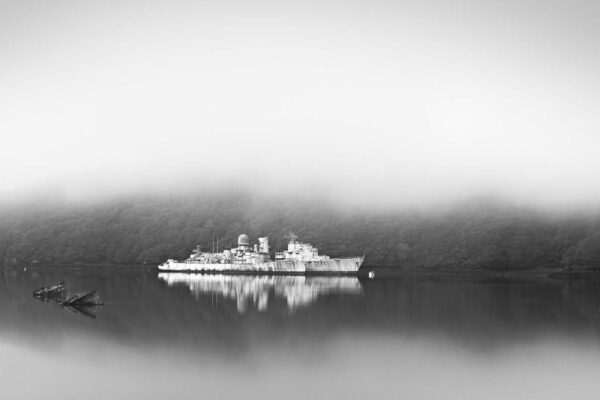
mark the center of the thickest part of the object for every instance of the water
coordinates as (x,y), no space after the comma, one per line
(206,336)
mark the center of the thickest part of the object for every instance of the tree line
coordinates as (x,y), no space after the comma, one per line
(150,229)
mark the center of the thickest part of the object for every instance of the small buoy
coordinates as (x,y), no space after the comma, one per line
(371,274)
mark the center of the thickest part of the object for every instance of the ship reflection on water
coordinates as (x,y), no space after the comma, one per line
(255,290)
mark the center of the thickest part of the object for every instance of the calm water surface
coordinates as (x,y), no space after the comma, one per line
(209,336)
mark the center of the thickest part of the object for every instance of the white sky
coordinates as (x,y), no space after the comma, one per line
(372,102)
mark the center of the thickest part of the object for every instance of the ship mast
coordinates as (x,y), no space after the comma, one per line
(292,237)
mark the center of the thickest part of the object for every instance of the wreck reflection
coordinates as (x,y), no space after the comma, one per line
(85,311)
(256,290)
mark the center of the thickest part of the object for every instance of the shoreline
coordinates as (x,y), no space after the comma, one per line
(380,272)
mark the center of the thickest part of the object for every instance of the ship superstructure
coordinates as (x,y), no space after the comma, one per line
(298,251)
(299,258)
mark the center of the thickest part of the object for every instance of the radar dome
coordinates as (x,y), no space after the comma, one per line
(243,240)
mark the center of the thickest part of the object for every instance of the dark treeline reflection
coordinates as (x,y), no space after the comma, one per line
(473,235)
(142,309)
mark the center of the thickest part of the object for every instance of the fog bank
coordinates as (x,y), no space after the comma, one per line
(372,104)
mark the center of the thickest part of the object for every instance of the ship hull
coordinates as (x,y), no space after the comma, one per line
(346,266)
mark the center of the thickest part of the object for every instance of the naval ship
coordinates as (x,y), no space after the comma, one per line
(299,258)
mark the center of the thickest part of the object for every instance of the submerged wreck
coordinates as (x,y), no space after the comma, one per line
(84,299)
(81,303)
(50,291)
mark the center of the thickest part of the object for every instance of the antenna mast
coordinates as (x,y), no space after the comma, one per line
(292,237)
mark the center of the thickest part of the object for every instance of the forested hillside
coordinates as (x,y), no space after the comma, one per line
(148,230)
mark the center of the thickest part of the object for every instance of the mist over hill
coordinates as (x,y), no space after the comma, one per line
(149,229)
(377,105)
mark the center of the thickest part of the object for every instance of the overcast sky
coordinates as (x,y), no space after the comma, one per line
(369,101)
